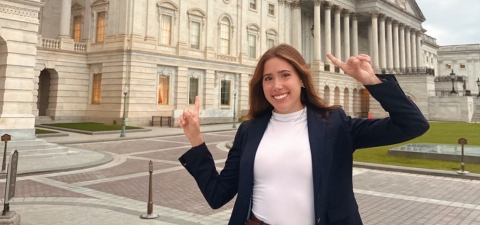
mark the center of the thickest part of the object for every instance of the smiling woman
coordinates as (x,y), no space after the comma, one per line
(291,161)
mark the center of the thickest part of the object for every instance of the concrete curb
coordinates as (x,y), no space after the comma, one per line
(60,134)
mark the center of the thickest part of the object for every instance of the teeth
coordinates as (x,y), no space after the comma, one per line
(280,96)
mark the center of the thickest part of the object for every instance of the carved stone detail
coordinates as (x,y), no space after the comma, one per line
(18,11)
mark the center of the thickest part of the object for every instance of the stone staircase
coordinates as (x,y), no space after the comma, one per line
(43,120)
(476,113)
(35,148)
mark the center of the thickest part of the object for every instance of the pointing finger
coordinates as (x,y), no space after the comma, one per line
(335,60)
(197,104)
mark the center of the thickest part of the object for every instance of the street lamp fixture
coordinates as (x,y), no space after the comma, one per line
(478,84)
(453,77)
(312,30)
(125,92)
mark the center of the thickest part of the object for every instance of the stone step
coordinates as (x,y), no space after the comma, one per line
(25,144)
(44,120)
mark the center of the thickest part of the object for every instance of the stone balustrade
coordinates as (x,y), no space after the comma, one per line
(80,47)
(226,58)
(50,43)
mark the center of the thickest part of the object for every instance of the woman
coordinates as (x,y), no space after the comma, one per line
(291,162)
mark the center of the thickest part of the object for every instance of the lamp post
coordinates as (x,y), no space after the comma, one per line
(478,84)
(234,109)
(125,92)
(453,77)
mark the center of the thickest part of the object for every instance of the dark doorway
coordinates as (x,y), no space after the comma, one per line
(364,103)
(43,92)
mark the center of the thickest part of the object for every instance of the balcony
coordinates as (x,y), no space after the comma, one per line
(61,44)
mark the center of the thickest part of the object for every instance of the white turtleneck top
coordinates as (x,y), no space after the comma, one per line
(283,180)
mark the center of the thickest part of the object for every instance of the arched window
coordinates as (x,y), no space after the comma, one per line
(225,36)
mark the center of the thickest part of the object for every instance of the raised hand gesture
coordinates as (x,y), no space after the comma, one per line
(357,67)
(190,123)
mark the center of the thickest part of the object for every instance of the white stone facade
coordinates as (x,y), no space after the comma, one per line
(167,51)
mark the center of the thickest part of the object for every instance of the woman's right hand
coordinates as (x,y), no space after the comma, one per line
(190,122)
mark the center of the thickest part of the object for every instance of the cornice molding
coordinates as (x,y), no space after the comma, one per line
(29,13)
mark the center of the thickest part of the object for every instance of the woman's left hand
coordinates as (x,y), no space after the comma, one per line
(357,67)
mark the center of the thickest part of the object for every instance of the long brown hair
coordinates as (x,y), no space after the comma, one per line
(259,104)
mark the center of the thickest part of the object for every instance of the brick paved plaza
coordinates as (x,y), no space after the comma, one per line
(116,192)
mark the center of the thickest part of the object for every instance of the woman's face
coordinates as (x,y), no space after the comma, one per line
(282,86)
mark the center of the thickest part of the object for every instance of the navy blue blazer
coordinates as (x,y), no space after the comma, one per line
(332,143)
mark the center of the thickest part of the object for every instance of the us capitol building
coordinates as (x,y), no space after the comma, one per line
(83,60)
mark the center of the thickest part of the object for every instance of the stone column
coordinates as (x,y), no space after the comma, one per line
(65,15)
(413,42)
(354,34)
(374,41)
(317,64)
(420,56)
(383,55)
(408,48)
(297,27)
(181,98)
(346,34)
(403,64)
(281,22)
(209,90)
(288,15)
(328,32)
(396,49)
(389,46)
(338,40)
(317,55)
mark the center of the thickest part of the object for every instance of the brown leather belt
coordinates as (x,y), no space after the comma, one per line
(255,221)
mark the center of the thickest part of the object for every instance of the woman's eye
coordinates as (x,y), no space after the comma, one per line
(267,78)
(286,75)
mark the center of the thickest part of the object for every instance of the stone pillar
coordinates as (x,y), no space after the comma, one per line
(281,22)
(65,15)
(209,90)
(403,64)
(297,27)
(288,16)
(338,40)
(408,48)
(414,48)
(354,34)
(374,41)
(181,98)
(317,46)
(328,33)
(383,55)
(396,49)
(389,46)
(420,56)
(346,35)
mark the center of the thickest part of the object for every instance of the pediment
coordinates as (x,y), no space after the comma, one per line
(77,6)
(411,7)
(100,2)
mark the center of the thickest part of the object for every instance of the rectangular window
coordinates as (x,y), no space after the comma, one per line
(225,92)
(77,28)
(224,37)
(100,27)
(252,46)
(96,88)
(449,66)
(270,43)
(163,89)
(166,30)
(271,9)
(462,66)
(193,90)
(194,35)
(253,4)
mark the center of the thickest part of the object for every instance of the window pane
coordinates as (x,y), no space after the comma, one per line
(225,36)
(253,4)
(194,35)
(252,46)
(193,90)
(166,30)
(225,92)
(271,9)
(100,27)
(77,28)
(96,88)
(270,43)
(163,89)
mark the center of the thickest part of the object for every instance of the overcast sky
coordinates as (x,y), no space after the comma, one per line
(452,22)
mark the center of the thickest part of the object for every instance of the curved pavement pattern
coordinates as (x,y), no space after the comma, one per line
(116,192)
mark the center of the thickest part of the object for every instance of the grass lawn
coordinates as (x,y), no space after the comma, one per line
(41,131)
(88,126)
(440,132)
